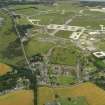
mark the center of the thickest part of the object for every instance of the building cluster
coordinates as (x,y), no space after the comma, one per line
(92,2)
(26,1)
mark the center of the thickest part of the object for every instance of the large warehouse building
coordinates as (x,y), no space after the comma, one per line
(93,2)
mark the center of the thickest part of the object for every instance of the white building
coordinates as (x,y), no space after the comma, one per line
(100,54)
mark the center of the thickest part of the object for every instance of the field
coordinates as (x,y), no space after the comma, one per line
(10,51)
(93,94)
(54,17)
(101,45)
(58,14)
(66,80)
(64,34)
(94,22)
(4,69)
(66,56)
(34,47)
(73,101)
(20,97)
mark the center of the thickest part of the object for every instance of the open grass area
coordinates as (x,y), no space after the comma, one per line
(34,47)
(66,80)
(73,101)
(66,56)
(32,9)
(21,97)
(86,21)
(54,18)
(64,34)
(10,49)
(6,33)
(101,45)
(4,69)
(93,94)
(90,18)
(7,37)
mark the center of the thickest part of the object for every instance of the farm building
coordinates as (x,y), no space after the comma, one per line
(92,2)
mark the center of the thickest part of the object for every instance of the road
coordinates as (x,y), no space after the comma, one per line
(66,23)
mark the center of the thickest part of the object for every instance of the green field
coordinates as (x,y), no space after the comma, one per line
(7,40)
(63,34)
(73,101)
(88,18)
(34,47)
(66,80)
(66,56)
(54,18)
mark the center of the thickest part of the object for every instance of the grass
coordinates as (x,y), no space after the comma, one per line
(88,18)
(73,101)
(4,69)
(99,63)
(101,45)
(34,47)
(93,94)
(63,34)
(89,91)
(54,18)
(7,36)
(20,97)
(66,80)
(87,21)
(64,56)
(28,10)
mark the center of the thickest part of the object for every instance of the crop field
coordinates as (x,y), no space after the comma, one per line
(93,94)
(4,69)
(20,97)
(89,91)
